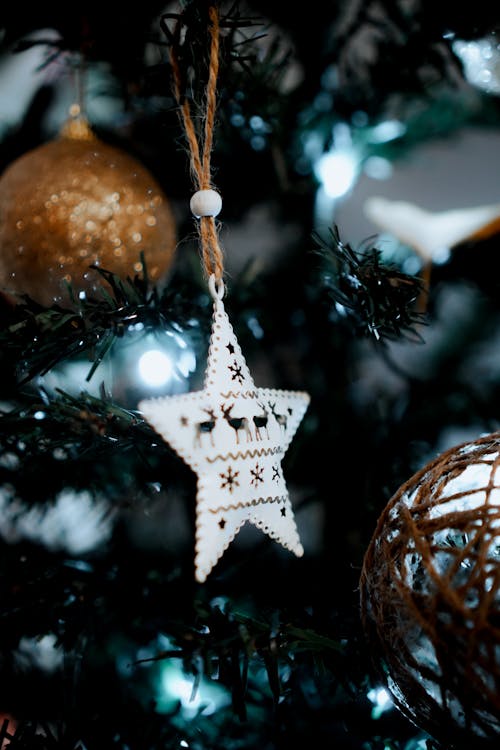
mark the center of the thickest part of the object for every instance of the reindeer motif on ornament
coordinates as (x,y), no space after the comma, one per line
(241,424)
(237,423)
(205,428)
(282,419)
(260,422)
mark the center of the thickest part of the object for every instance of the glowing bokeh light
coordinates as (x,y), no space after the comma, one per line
(155,368)
(381,699)
(196,696)
(481,61)
(337,172)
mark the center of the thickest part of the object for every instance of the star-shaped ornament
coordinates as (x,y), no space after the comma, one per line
(234,436)
(432,233)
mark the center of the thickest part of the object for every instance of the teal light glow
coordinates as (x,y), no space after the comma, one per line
(382,701)
(155,368)
(337,172)
(195,695)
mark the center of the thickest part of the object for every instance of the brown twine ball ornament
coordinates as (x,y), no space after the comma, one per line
(430,595)
(77,201)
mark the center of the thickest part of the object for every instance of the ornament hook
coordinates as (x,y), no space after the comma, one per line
(217,288)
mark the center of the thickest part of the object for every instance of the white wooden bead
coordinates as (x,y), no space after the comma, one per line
(205,203)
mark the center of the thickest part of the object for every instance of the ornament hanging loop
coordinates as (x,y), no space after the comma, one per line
(217,288)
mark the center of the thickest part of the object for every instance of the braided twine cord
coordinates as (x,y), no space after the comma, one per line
(200,153)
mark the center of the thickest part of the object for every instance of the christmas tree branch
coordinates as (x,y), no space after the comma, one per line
(35,338)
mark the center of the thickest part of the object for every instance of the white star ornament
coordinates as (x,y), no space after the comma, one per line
(234,436)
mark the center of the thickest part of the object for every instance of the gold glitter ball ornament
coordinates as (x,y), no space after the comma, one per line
(74,202)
